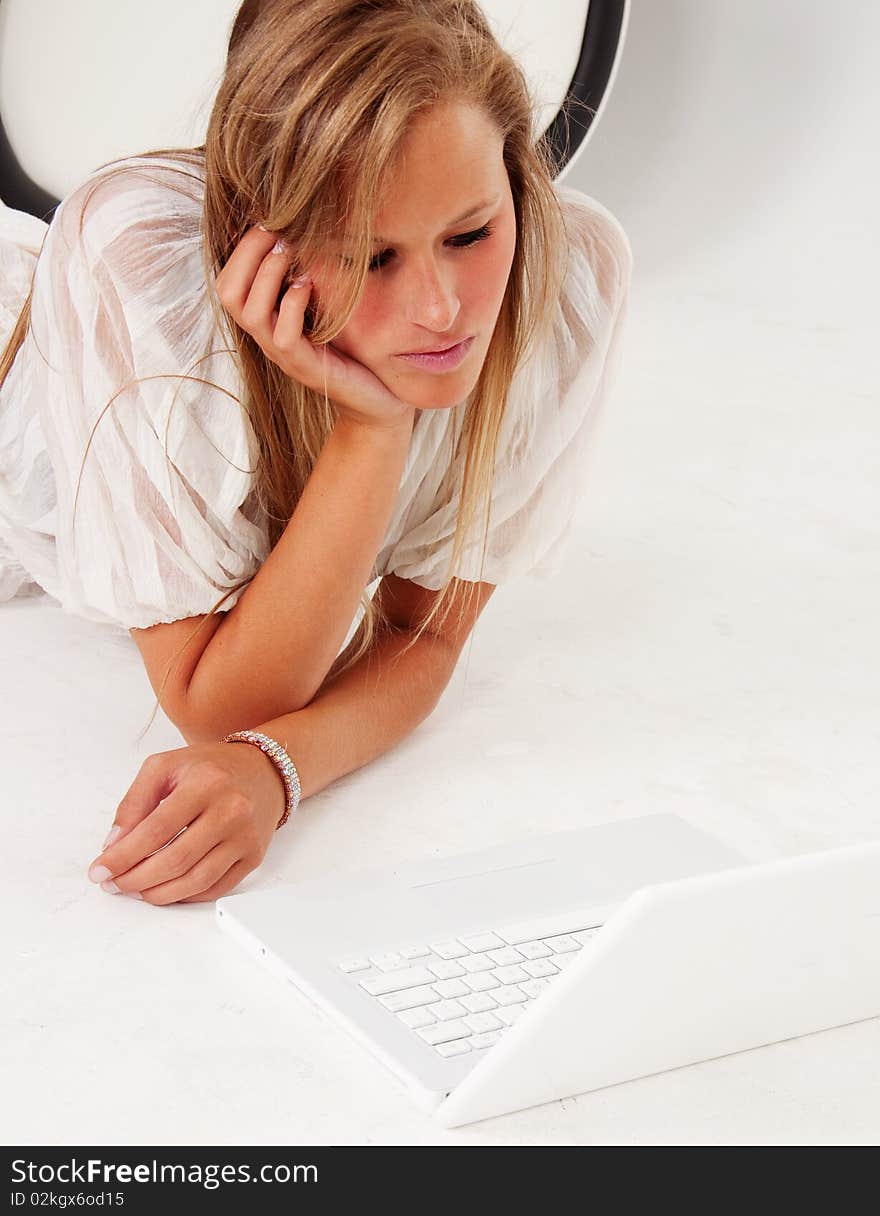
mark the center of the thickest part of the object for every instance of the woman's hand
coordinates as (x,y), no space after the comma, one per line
(227,796)
(248,287)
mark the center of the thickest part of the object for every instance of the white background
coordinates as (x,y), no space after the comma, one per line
(712,649)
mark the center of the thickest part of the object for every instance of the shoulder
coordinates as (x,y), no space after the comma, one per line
(598,243)
(146,197)
(127,244)
(598,272)
(594,289)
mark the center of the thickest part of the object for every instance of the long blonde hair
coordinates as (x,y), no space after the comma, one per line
(315,101)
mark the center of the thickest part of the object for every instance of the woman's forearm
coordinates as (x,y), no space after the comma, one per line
(275,646)
(364,712)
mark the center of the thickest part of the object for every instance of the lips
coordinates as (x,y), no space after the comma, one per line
(441,361)
(434,350)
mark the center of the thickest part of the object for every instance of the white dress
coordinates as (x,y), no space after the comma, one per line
(159,537)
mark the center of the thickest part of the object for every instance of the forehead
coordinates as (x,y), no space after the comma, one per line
(482,207)
(449,169)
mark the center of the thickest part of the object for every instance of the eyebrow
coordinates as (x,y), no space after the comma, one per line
(471,211)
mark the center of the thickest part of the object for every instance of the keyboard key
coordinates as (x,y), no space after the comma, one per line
(562,960)
(415,951)
(485,1040)
(504,956)
(387,962)
(508,996)
(444,1032)
(563,944)
(451,988)
(449,949)
(354,964)
(444,1010)
(537,949)
(417,1017)
(533,987)
(540,967)
(510,1014)
(510,975)
(410,998)
(478,1002)
(444,970)
(484,981)
(582,935)
(481,941)
(481,1022)
(394,981)
(456,1048)
(478,962)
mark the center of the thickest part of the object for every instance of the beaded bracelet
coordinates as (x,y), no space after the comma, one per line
(282,762)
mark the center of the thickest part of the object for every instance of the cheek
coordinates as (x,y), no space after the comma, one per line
(481,289)
(500,254)
(361,337)
(487,278)
(489,271)
(358,335)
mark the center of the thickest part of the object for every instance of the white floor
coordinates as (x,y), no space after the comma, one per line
(712,651)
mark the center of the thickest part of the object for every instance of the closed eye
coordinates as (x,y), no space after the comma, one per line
(463,241)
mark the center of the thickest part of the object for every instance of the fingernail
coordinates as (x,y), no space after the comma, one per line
(98,873)
(300,280)
(111,836)
(135,895)
(110,886)
(279,247)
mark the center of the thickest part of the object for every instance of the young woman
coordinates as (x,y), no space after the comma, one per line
(221,378)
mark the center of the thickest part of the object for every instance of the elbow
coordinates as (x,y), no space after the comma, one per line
(193,735)
(210,725)
(190,726)
(195,730)
(193,724)
(225,694)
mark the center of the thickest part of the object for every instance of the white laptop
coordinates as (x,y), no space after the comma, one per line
(557,964)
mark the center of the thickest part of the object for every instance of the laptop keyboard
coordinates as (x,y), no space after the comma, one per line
(460,994)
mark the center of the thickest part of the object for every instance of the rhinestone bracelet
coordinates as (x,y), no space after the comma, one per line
(282,762)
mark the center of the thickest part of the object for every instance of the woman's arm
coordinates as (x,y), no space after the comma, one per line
(231,803)
(360,714)
(273,649)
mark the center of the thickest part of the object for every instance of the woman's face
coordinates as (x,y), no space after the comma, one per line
(435,279)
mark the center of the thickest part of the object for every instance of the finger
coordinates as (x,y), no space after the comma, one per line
(210,871)
(154,781)
(227,883)
(160,825)
(262,299)
(175,859)
(234,280)
(288,336)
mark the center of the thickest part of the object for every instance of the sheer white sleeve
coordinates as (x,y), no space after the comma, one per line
(163,522)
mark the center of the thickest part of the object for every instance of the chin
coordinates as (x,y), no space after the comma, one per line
(432,403)
(448,403)
(427,391)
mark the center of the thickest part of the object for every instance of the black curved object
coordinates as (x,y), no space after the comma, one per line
(17,189)
(564,135)
(589,83)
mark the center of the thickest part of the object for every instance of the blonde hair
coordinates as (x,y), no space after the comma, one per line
(315,101)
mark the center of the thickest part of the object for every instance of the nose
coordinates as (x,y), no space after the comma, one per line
(432,300)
